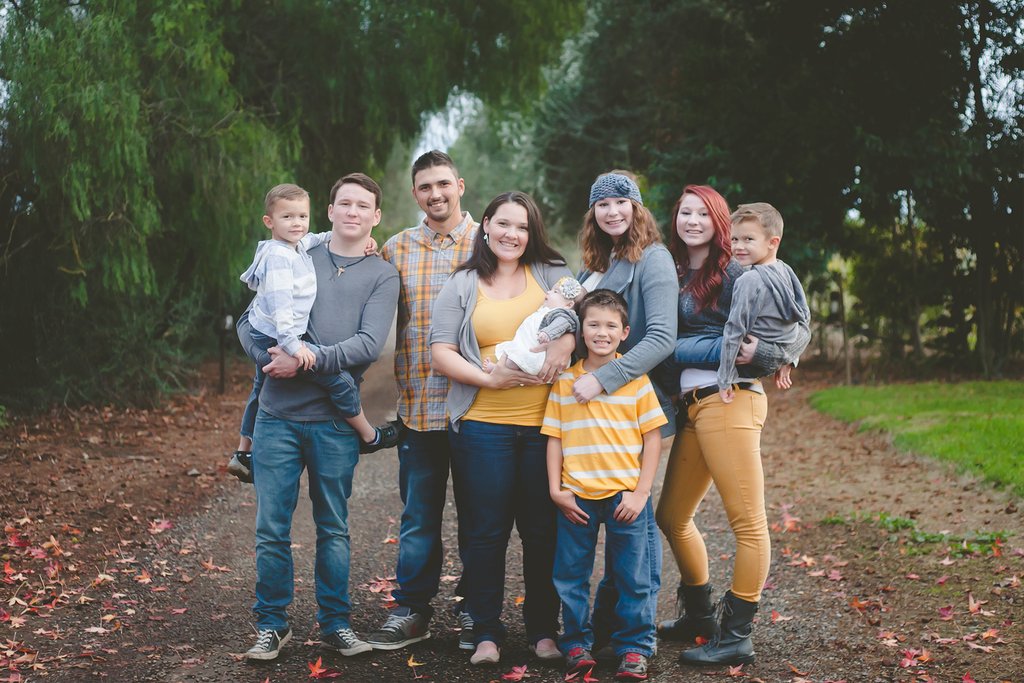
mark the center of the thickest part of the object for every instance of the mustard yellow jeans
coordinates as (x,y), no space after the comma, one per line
(720,443)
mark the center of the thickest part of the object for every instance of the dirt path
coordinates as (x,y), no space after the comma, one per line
(156,584)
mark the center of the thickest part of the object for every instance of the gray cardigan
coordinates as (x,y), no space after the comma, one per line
(453,324)
(651,289)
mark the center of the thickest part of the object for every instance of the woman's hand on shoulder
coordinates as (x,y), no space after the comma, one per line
(502,377)
(586,388)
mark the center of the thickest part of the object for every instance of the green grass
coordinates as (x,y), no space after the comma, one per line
(977,425)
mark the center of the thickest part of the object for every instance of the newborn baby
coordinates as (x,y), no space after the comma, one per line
(553,319)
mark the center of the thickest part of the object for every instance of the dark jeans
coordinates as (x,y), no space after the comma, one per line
(500,477)
(341,388)
(423,463)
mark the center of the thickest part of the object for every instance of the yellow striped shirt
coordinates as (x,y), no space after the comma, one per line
(602,439)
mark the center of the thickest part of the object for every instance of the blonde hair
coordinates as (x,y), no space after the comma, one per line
(283,191)
(598,248)
(766,215)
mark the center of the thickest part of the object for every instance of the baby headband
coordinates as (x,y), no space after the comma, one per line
(569,288)
(614,185)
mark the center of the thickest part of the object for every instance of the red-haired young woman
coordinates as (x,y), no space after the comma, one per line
(718,442)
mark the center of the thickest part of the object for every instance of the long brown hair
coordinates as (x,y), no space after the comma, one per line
(483,260)
(706,284)
(598,248)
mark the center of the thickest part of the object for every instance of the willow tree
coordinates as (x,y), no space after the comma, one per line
(138,139)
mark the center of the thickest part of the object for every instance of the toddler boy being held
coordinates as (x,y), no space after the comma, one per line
(602,457)
(768,300)
(283,278)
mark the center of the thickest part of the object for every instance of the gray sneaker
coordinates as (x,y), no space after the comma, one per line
(467,639)
(402,627)
(268,644)
(345,641)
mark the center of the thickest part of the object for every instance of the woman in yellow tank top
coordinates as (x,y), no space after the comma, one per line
(498,453)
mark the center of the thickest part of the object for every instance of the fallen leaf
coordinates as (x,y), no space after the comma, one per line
(520,600)
(975,606)
(946,613)
(158,526)
(776,617)
(735,672)
(412,661)
(984,648)
(516,674)
(317,670)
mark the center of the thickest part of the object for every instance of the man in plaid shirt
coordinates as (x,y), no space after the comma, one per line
(425,255)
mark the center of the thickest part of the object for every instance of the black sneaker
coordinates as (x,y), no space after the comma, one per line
(387,437)
(344,641)
(240,465)
(467,639)
(268,644)
(633,667)
(402,627)
(579,664)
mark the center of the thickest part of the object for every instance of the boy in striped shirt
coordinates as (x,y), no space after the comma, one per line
(602,458)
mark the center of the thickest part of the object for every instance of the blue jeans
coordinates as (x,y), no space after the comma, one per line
(500,477)
(423,463)
(341,387)
(605,617)
(699,352)
(628,559)
(282,449)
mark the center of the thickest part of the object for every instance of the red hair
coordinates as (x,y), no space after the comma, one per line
(706,284)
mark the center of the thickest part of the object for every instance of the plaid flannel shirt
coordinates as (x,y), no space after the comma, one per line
(424,260)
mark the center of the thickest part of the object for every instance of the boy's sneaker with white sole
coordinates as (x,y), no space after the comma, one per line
(344,641)
(268,644)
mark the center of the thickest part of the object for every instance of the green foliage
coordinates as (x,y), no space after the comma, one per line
(138,140)
(801,104)
(920,541)
(977,425)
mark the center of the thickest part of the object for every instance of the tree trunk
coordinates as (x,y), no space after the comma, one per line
(980,196)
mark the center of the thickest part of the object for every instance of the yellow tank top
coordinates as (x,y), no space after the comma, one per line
(496,321)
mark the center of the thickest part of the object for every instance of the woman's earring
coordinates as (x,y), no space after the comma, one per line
(487,238)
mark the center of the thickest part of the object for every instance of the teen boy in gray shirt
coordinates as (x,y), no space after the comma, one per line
(298,427)
(768,301)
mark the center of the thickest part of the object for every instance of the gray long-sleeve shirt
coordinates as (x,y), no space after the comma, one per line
(769,303)
(651,289)
(348,325)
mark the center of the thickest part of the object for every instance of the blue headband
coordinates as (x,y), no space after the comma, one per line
(614,185)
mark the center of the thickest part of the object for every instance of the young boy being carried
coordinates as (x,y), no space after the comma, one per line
(768,300)
(554,318)
(602,458)
(283,278)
